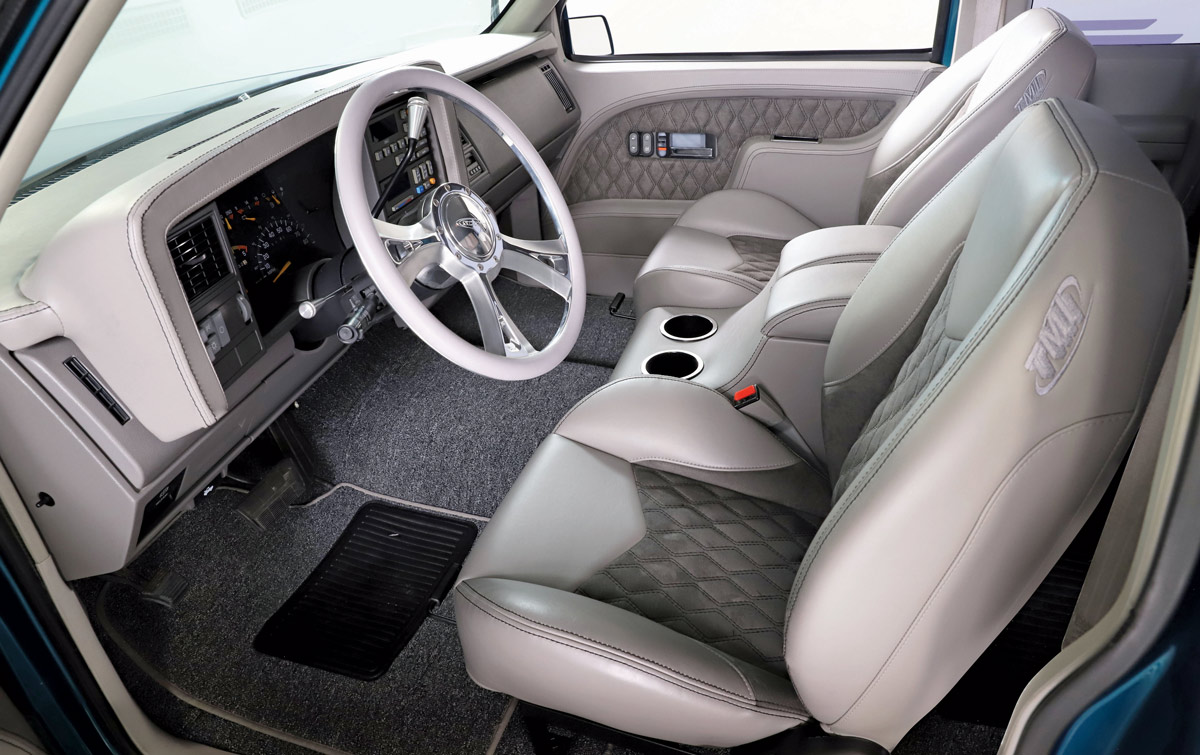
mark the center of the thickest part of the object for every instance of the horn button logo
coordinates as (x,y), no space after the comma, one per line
(468,226)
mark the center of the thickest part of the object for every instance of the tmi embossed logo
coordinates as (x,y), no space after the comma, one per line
(1062,330)
(1033,92)
(470,224)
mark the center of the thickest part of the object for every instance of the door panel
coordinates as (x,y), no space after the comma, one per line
(622,204)
(606,170)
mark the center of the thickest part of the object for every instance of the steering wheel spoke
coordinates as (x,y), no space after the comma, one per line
(544,262)
(500,334)
(460,235)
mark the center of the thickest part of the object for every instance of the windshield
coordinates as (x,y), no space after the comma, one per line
(162,58)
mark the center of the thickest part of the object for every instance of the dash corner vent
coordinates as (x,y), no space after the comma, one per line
(196,252)
(559,87)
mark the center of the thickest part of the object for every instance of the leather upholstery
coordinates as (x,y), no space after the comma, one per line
(599,500)
(990,470)
(997,358)
(715,565)
(721,251)
(606,170)
(1039,54)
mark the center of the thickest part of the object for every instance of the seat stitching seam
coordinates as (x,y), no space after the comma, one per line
(727,277)
(722,657)
(713,467)
(605,645)
(935,132)
(1139,182)
(971,540)
(912,316)
(677,381)
(866,255)
(948,371)
(955,128)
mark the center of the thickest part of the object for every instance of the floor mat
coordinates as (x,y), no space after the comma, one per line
(239,577)
(367,598)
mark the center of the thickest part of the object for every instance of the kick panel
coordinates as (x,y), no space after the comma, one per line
(608,168)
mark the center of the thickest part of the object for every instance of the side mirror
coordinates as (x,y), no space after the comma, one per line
(590,36)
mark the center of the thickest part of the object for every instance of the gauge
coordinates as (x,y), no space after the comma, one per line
(255,264)
(280,232)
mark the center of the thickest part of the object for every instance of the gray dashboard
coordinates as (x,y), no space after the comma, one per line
(123,413)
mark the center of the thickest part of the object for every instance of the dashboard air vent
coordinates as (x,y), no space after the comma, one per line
(199,261)
(558,86)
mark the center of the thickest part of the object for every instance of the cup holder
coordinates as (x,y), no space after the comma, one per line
(688,327)
(676,364)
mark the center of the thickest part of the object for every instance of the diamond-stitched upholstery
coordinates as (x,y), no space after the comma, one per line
(605,170)
(932,351)
(715,565)
(760,257)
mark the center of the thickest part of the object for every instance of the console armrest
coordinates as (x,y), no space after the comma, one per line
(818,274)
(825,246)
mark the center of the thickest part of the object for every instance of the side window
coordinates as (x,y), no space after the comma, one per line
(627,28)
(1132,22)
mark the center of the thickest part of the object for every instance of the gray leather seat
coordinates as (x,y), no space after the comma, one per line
(723,249)
(664,565)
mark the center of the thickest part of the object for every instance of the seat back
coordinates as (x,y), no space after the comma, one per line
(1038,54)
(982,386)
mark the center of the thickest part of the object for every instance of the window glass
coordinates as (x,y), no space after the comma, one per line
(162,58)
(666,27)
(1132,22)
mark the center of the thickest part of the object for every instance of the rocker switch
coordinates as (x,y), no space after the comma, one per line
(647,144)
(634,143)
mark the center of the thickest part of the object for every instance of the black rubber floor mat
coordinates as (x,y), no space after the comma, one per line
(369,595)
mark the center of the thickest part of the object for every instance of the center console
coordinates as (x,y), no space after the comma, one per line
(778,340)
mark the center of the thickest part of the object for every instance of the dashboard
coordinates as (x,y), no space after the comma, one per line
(156,331)
(276,239)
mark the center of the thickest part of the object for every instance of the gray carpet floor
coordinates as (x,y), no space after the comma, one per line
(239,577)
(394,417)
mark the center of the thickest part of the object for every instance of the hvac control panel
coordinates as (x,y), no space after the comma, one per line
(671,144)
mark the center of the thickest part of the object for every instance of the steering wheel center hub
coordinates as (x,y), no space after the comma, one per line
(466,225)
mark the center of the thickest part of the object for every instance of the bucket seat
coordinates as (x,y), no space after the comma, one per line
(724,248)
(664,565)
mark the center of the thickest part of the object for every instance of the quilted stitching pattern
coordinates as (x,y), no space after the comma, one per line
(931,353)
(760,257)
(715,565)
(605,170)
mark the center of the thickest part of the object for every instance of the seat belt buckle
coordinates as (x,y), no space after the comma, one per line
(753,400)
(745,396)
(756,402)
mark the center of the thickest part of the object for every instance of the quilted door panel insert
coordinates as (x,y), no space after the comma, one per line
(606,170)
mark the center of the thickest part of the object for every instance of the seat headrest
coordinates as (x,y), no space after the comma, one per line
(1039,54)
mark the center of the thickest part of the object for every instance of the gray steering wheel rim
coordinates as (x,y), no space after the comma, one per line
(351,184)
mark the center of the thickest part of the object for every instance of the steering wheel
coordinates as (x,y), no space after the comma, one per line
(458,233)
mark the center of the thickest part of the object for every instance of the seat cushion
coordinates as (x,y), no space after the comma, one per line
(720,253)
(571,653)
(715,565)
(654,566)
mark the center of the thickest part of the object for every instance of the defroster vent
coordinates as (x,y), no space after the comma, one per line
(199,261)
(558,86)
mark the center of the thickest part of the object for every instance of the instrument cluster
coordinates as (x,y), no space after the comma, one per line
(280,223)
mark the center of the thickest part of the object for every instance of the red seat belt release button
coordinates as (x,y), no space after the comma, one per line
(747,395)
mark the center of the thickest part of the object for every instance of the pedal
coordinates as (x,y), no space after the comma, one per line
(283,484)
(615,307)
(292,441)
(163,587)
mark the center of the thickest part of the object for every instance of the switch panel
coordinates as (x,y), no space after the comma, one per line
(659,144)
